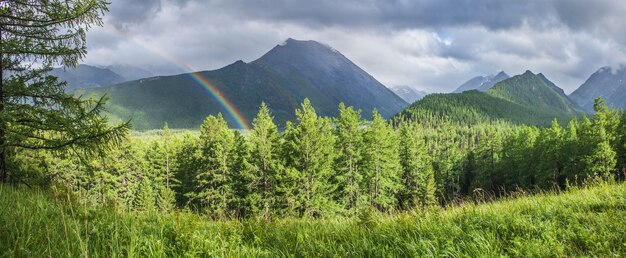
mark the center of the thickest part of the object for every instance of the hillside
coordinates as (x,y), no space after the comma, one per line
(282,78)
(534,91)
(522,99)
(482,83)
(608,83)
(86,76)
(578,222)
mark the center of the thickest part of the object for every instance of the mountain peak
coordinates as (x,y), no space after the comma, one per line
(291,42)
(608,82)
(482,83)
(501,74)
(528,72)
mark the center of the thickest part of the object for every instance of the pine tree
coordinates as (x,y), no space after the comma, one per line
(214,180)
(446,156)
(240,170)
(571,152)
(549,156)
(265,163)
(146,198)
(309,156)
(188,164)
(419,183)
(382,164)
(35,112)
(348,165)
(601,161)
(488,158)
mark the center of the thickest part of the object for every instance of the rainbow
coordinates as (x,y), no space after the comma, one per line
(240,121)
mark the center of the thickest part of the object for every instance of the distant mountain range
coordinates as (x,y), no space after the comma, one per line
(408,94)
(89,76)
(608,83)
(129,72)
(282,78)
(482,83)
(86,76)
(523,99)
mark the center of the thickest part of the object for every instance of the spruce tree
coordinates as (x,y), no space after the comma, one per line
(549,156)
(348,165)
(601,160)
(571,152)
(188,164)
(382,164)
(214,181)
(240,170)
(309,156)
(265,164)
(35,112)
(417,176)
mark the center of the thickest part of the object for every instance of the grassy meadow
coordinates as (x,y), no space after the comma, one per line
(585,221)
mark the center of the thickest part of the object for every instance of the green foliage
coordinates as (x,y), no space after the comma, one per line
(418,179)
(349,175)
(319,168)
(266,164)
(309,154)
(523,99)
(215,187)
(35,112)
(382,163)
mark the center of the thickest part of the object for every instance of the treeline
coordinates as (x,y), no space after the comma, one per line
(319,166)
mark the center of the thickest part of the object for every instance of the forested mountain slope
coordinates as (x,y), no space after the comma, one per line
(282,78)
(522,99)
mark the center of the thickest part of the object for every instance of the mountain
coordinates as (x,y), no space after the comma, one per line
(523,99)
(607,83)
(408,94)
(282,78)
(86,76)
(129,72)
(535,91)
(482,83)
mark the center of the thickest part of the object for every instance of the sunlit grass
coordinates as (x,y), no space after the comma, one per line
(579,222)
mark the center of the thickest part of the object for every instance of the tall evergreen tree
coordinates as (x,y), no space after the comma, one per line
(310,155)
(240,169)
(419,183)
(265,163)
(601,161)
(35,113)
(571,152)
(214,182)
(188,165)
(348,165)
(382,164)
(549,159)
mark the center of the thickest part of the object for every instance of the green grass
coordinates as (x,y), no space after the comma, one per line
(579,222)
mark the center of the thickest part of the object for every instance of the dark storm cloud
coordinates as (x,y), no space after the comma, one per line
(430,44)
(492,14)
(123,13)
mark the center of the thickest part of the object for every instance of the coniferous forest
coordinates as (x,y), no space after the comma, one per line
(324,167)
(517,170)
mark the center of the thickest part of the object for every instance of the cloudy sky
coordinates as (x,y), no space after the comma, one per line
(433,45)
